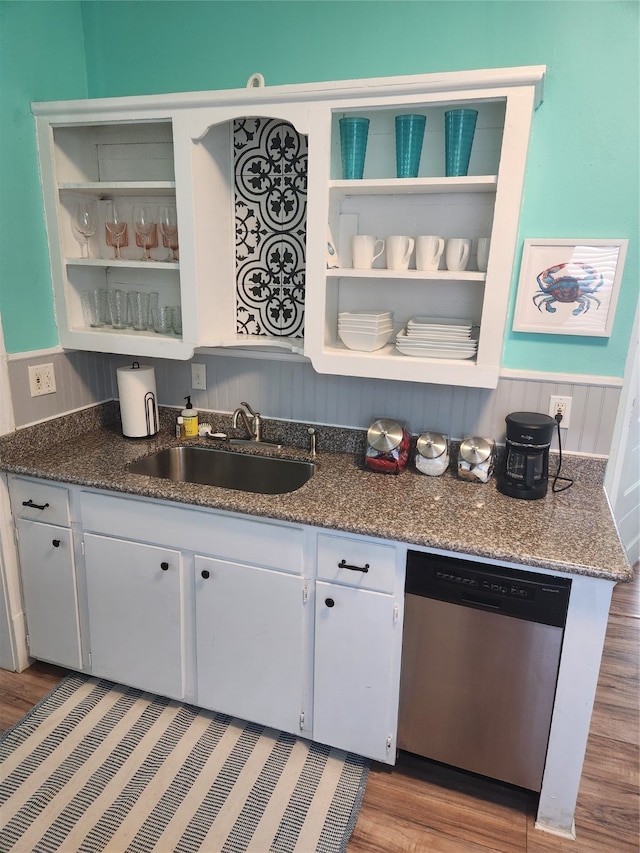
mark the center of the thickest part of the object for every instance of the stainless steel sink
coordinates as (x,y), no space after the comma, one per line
(266,475)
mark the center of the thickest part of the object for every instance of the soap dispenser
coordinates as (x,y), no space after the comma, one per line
(190,419)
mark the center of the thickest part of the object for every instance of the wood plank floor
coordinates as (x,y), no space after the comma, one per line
(419,806)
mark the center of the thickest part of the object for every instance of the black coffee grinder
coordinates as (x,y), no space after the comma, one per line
(525,472)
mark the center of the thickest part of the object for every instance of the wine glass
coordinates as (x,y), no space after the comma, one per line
(84,223)
(168,222)
(144,227)
(116,228)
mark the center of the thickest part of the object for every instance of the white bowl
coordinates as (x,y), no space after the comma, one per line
(364,341)
(372,330)
(365,316)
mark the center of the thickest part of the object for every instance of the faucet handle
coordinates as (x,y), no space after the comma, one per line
(312,441)
(250,410)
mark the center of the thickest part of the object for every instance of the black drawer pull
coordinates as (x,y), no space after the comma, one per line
(55,543)
(31,505)
(205,573)
(344,565)
(164,566)
(329,602)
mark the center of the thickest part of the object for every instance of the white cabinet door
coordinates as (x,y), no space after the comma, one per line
(355,693)
(136,613)
(50,597)
(250,642)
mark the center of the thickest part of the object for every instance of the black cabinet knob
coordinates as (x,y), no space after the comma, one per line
(55,543)
(329,602)
(205,573)
(164,566)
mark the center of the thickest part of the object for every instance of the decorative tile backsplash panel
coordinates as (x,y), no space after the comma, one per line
(270,159)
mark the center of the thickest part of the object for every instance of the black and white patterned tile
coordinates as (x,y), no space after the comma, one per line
(270,160)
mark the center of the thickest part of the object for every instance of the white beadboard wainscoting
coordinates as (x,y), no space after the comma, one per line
(287,388)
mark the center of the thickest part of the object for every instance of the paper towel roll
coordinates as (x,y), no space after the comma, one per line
(138,405)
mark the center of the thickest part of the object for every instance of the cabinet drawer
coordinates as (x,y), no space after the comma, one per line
(245,540)
(356,562)
(35,500)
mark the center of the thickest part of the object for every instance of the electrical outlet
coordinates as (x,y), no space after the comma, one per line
(561,405)
(42,379)
(199,377)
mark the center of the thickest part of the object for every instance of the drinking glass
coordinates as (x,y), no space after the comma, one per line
(94,308)
(409,136)
(138,302)
(176,319)
(84,224)
(168,224)
(353,144)
(460,126)
(162,319)
(118,308)
(116,228)
(144,227)
(154,297)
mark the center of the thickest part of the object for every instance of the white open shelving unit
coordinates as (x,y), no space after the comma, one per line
(179,148)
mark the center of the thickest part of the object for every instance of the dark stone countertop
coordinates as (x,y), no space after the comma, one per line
(572,531)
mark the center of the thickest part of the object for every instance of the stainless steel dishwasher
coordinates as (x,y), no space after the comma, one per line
(480,656)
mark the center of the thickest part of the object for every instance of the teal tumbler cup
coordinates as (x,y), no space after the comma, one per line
(459,128)
(353,144)
(409,136)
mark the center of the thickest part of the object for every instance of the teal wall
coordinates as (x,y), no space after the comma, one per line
(41,58)
(582,176)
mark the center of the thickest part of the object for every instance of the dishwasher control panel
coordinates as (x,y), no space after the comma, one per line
(496,587)
(521,594)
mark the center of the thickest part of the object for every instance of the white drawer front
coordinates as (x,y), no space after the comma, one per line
(38,501)
(356,562)
(206,532)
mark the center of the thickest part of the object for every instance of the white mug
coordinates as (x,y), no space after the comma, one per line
(364,250)
(399,251)
(457,253)
(428,252)
(483,253)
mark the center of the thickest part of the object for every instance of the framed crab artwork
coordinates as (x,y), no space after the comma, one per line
(569,287)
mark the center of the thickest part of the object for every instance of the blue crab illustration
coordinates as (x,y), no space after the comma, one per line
(565,283)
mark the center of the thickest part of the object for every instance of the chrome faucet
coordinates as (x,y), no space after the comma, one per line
(254,429)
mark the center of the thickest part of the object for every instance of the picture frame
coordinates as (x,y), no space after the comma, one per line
(569,287)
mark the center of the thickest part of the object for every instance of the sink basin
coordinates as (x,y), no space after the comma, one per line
(266,475)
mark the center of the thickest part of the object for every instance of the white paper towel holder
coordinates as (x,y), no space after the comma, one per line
(132,427)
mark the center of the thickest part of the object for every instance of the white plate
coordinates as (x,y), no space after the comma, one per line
(409,348)
(435,353)
(437,334)
(444,342)
(442,322)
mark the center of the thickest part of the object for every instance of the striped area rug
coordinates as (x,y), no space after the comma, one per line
(100,767)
